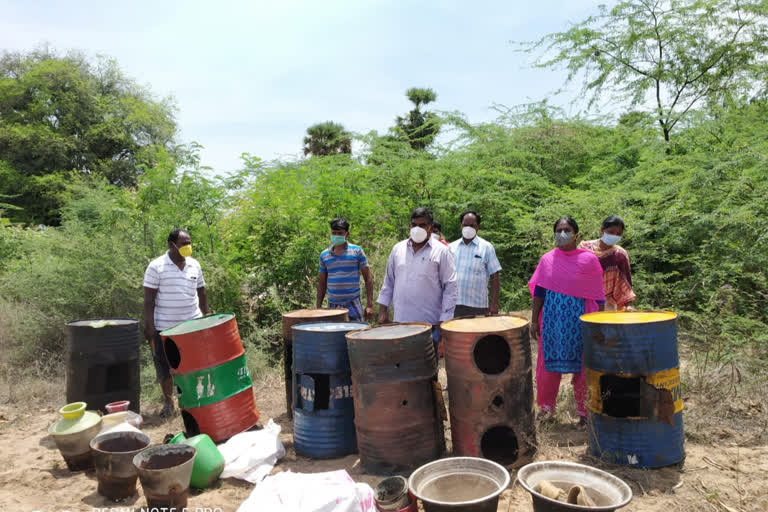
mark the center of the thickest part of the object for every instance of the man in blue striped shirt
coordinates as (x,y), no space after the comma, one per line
(340,268)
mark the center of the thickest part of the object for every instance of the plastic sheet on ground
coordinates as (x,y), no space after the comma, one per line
(334,491)
(251,456)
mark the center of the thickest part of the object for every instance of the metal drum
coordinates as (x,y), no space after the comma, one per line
(396,416)
(301,316)
(103,362)
(490,386)
(634,396)
(639,342)
(211,375)
(323,408)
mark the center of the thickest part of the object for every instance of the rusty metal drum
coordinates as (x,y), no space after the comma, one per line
(396,417)
(290,319)
(211,376)
(634,393)
(103,362)
(490,388)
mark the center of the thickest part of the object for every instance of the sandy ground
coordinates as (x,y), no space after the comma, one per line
(717,476)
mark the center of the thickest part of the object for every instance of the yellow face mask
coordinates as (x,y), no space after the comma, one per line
(186,250)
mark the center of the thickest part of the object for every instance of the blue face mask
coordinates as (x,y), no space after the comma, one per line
(338,240)
(609,239)
(563,238)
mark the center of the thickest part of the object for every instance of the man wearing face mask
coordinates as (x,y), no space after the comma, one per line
(476,264)
(420,282)
(437,233)
(340,268)
(617,279)
(174,291)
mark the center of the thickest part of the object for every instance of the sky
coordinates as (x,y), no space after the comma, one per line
(251,76)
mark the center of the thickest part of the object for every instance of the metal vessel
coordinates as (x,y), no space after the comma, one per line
(396,418)
(103,362)
(490,387)
(634,393)
(290,319)
(211,376)
(323,408)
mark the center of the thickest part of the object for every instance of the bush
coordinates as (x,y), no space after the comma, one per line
(694,223)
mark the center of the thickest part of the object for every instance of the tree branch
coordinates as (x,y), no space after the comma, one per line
(659,67)
(722,54)
(697,98)
(623,61)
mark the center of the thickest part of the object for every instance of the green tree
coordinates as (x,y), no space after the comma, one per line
(419,128)
(672,54)
(327,138)
(62,114)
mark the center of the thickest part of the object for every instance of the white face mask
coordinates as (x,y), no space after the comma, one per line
(418,234)
(468,232)
(609,239)
(435,236)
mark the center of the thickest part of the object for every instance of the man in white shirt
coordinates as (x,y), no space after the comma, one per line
(421,279)
(174,291)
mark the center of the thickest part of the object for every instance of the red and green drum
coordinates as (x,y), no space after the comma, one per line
(211,376)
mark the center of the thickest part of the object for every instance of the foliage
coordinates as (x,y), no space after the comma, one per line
(671,53)
(693,215)
(327,138)
(694,211)
(419,128)
(61,115)
(92,265)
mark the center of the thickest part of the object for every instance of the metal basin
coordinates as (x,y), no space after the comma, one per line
(113,454)
(459,484)
(164,472)
(608,492)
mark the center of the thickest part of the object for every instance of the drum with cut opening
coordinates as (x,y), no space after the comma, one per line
(290,319)
(396,417)
(211,375)
(634,397)
(323,409)
(490,388)
(103,362)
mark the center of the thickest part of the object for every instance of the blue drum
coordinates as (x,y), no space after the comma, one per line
(323,405)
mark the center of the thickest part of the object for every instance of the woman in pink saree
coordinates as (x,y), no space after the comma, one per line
(567,283)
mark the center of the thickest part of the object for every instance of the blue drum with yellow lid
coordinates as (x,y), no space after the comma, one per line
(632,373)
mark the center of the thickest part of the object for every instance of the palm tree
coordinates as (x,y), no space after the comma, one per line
(327,138)
(419,128)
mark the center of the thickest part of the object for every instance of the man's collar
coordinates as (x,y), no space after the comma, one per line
(346,246)
(473,241)
(170,260)
(429,242)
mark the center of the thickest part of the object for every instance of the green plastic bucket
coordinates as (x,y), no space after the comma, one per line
(178,438)
(209,462)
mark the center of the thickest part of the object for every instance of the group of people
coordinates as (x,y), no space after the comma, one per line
(429,280)
(573,279)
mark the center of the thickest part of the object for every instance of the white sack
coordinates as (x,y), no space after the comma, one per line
(334,491)
(251,456)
